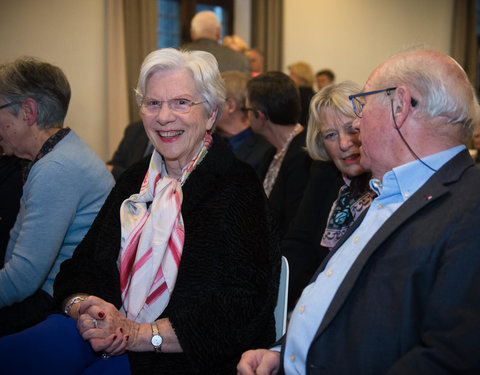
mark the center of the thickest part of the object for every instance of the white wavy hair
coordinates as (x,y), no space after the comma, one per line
(203,66)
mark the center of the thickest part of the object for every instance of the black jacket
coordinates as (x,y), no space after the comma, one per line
(227,283)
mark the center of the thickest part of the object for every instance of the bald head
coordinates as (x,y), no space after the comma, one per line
(205,25)
(439,85)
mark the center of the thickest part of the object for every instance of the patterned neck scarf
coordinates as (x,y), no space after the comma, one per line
(353,199)
(48,146)
(152,240)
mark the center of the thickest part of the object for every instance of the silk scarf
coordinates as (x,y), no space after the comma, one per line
(152,240)
(353,198)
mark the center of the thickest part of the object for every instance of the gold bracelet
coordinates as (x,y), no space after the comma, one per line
(72,302)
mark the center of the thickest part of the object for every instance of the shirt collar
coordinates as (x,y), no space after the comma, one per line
(408,178)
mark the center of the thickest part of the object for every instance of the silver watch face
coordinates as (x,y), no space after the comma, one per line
(157,341)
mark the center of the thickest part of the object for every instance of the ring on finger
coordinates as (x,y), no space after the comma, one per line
(105,356)
(95,323)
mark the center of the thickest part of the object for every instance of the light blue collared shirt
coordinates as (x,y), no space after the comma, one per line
(398,185)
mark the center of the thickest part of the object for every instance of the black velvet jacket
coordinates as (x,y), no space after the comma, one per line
(227,283)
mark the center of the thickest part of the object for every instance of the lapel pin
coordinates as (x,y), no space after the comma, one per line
(428,197)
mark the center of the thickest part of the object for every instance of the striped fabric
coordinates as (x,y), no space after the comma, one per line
(152,240)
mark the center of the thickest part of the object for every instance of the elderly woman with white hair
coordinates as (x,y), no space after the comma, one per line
(180,268)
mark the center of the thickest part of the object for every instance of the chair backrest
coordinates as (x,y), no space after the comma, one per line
(282,301)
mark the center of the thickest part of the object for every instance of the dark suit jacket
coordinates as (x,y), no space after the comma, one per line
(11,189)
(287,192)
(301,244)
(227,58)
(130,150)
(410,304)
(306,94)
(252,151)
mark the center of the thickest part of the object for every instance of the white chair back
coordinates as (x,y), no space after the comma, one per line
(282,301)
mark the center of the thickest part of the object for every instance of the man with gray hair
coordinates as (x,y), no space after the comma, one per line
(399,294)
(205,31)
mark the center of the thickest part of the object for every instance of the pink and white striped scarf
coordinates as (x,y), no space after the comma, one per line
(152,240)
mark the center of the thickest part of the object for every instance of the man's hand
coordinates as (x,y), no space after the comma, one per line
(259,362)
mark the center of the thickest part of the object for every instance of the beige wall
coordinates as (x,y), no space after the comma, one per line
(352,37)
(70,34)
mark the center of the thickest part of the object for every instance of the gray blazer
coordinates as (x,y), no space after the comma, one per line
(410,303)
(227,58)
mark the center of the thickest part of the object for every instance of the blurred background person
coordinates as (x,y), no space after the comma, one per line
(235,42)
(274,108)
(302,74)
(133,147)
(65,184)
(205,31)
(182,263)
(475,152)
(256,61)
(233,124)
(10,191)
(337,191)
(324,78)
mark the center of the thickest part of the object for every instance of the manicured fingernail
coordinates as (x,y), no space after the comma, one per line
(101,314)
(114,337)
(127,337)
(121,330)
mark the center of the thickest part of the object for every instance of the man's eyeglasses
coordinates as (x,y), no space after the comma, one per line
(358,105)
(178,105)
(246,109)
(7,105)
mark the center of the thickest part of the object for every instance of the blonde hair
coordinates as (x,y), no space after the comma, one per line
(235,42)
(304,72)
(335,97)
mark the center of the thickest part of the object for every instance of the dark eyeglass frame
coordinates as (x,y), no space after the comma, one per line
(358,105)
(8,105)
(246,109)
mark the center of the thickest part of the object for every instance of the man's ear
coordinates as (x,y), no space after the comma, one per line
(30,111)
(401,105)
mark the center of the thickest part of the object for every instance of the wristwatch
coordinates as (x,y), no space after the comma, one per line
(156,338)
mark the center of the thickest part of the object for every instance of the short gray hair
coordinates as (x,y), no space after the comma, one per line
(334,96)
(28,77)
(458,105)
(203,65)
(205,23)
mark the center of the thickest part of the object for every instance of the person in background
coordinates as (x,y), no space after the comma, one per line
(205,31)
(182,265)
(234,126)
(475,153)
(273,105)
(257,61)
(235,42)
(337,191)
(324,78)
(133,147)
(65,184)
(399,292)
(10,190)
(302,74)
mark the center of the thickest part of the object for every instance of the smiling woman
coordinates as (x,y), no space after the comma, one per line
(181,267)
